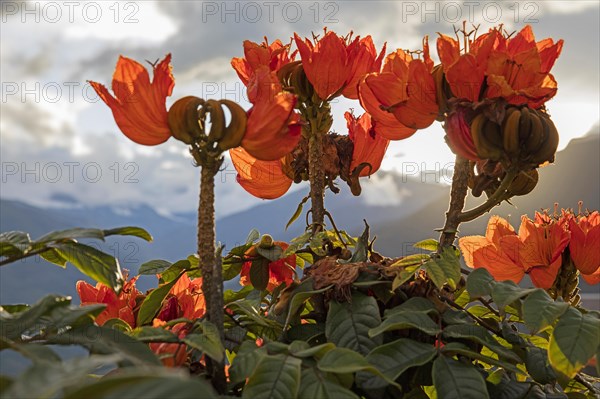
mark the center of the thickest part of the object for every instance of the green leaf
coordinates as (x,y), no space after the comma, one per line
(129,231)
(480,283)
(275,377)
(411,260)
(445,269)
(27,322)
(231,268)
(574,340)
(158,383)
(153,302)
(153,334)
(245,361)
(457,348)
(507,292)
(273,254)
(300,295)
(316,351)
(259,273)
(414,304)
(156,266)
(174,271)
(208,342)
(298,212)
(14,243)
(71,234)
(456,380)
(253,236)
(313,384)
(395,358)
(361,249)
(538,367)
(479,335)
(93,263)
(428,245)
(342,361)
(101,340)
(36,353)
(348,323)
(541,311)
(297,243)
(405,275)
(404,320)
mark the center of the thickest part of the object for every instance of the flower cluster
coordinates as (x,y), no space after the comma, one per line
(539,249)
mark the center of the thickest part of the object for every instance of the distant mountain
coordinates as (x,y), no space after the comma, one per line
(400,210)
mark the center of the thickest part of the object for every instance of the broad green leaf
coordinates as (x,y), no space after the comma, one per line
(361,248)
(71,234)
(231,268)
(541,311)
(456,380)
(275,376)
(300,295)
(231,295)
(456,348)
(480,335)
(511,389)
(444,269)
(480,283)
(15,308)
(315,385)
(48,380)
(208,342)
(53,256)
(298,212)
(344,361)
(37,353)
(153,302)
(153,334)
(174,271)
(272,254)
(245,361)
(538,367)
(259,273)
(574,340)
(129,231)
(348,323)
(93,263)
(297,243)
(253,236)
(507,292)
(395,358)
(158,383)
(14,243)
(101,340)
(406,274)
(411,260)
(428,245)
(156,266)
(404,320)
(414,304)
(315,351)
(27,322)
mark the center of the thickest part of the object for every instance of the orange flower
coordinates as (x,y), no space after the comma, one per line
(274,56)
(369,146)
(139,106)
(280,271)
(458,135)
(325,63)
(273,127)
(465,73)
(363,59)
(519,70)
(263,179)
(585,243)
(536,250)
(172,354)
(117,306)
(405,87)
(190,297)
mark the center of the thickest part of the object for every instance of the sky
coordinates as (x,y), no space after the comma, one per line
(60,146)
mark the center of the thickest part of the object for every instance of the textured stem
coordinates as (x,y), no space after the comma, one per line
(316,176)
(495,199)
(458,194)
(212,283)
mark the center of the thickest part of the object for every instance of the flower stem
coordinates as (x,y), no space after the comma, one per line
(492,201)
(212,280)
(458,194)
(317,179)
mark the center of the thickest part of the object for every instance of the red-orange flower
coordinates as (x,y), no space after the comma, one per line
(405,88)
(335,67)
(117,306)
(280,271)
(263,179)
(190,297)
(536,250)
(458,135)
(273,128)
(273,56)
(139,106)
(465,72)
(369,146)
(519,71)
(171,354)
(585,243)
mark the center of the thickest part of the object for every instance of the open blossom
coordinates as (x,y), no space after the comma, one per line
(536,250)
(369,146)
(138,105)
(280,271)
(273,56)
(334,66)
(585,245)
(404,88)
(117,306)
(172,354)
